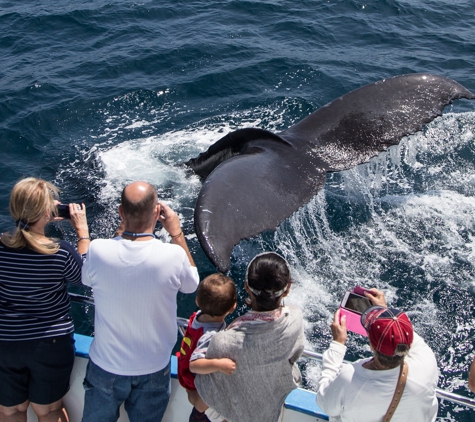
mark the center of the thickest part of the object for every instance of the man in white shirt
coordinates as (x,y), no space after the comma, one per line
(135,279)
(364,390)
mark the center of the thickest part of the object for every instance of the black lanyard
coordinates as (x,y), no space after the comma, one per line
(135,235)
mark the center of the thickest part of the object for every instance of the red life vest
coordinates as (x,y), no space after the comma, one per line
(188,345)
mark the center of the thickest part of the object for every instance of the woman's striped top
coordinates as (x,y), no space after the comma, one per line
(34,301)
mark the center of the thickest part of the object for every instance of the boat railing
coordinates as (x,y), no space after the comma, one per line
(183,322)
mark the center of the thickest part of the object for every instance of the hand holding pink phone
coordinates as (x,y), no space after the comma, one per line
(361,291)
(353,305)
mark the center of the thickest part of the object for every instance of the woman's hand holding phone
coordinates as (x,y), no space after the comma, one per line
(376,297)
(338,327)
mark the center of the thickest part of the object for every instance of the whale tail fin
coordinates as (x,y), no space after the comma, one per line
(255,179)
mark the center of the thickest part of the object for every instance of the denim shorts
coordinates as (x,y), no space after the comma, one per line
(145,396)
(35,370)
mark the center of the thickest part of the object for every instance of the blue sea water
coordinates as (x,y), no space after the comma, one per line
(96,94)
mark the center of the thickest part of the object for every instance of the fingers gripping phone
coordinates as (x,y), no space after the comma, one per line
(353,305)
(63,210)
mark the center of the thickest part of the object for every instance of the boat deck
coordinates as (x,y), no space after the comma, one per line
(300,405)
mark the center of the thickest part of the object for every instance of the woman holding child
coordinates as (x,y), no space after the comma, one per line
(264,343)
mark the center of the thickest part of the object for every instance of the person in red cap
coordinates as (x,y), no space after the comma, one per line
(397,383)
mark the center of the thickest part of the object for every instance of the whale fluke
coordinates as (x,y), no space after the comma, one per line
(255,179)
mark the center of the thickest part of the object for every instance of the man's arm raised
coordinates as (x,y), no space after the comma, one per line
(171,223)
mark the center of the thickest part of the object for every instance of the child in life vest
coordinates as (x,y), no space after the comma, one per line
(216,297)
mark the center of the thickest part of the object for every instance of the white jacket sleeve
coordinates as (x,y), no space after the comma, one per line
(329,388)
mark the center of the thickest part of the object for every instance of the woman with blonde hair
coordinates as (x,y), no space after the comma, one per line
(36,330)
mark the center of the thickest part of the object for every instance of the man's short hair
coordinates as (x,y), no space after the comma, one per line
(138,213)
(216,295)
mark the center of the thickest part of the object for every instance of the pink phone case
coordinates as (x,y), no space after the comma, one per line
(353,321)
(360,290)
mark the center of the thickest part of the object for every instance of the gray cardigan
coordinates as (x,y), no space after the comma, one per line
(266,372)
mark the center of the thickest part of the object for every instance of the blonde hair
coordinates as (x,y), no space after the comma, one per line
(30,199)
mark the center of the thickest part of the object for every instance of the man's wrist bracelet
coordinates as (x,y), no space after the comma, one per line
(177,235)
(83,238)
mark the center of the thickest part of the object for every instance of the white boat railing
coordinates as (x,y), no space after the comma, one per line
(441,394)
(183,322)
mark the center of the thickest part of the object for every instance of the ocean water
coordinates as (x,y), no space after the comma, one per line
(96,94)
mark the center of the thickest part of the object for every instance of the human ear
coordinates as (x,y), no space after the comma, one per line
(156,213)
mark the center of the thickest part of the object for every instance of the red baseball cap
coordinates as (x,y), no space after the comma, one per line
(387,328)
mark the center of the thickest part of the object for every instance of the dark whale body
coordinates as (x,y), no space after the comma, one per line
(254,179)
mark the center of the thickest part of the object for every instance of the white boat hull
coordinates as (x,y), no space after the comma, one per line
(300,405)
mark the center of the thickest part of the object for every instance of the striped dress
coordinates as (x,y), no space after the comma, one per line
(34,301)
